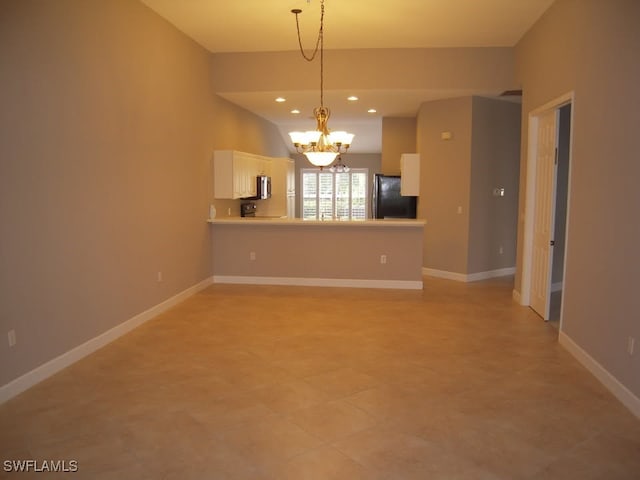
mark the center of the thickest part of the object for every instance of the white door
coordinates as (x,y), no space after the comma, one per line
(543,219)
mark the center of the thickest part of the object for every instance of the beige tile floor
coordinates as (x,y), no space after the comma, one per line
(453,382)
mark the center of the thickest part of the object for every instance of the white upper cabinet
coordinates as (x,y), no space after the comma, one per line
(410,174)
(234,173)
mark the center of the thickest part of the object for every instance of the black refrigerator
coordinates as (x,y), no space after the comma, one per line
(387,201)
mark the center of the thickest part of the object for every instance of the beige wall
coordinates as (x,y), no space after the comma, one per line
(107,128)
(445,182)
(414,68)
(591,47)
(495,155)
(482,154)
(398,137)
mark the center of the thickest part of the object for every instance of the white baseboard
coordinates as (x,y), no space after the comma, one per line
(621,392)
(53,366)
(471,277)
(501,272)
(432,272)
(320,282)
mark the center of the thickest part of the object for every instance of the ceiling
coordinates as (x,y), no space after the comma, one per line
(269,26)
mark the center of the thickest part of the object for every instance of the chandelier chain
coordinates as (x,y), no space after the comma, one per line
(320,146)
(319,46)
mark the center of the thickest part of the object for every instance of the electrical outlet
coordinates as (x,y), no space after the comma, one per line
(501,250)
(229,212)
(252,256)
(383,259)
(631,344)
(459,210)
(159,276)
(11,335)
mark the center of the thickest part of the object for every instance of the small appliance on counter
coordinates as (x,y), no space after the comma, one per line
(248,209)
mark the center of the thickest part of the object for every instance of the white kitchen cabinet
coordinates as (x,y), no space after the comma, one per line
(283,190)
(234,173)
(410,174)
(291,189)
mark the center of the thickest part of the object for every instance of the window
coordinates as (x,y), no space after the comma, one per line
(327,195)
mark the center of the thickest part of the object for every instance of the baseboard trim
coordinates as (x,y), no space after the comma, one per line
(320,282)
(29,379)
(515,294)
(501,272)
(471,277)
(432,272)
(621,392)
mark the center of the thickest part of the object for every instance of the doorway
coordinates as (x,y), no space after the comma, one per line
(546,208)
(560,222)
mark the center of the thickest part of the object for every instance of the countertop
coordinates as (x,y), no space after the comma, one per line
(269,221)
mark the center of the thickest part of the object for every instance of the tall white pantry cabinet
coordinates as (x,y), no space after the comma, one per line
(283,188)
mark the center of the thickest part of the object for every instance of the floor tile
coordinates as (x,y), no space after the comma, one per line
(342,382)
(288,397)
(333,420)
(324,464)
(269,443)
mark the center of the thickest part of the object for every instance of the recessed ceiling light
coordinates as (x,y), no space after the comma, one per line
(372,110)
(280,99)
(352,98)
(295,111)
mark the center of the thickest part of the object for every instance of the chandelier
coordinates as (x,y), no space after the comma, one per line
(320,146)
(339,167)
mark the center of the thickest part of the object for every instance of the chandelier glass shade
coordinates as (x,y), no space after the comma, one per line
(320,146)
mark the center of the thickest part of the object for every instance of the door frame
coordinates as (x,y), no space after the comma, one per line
(530,198)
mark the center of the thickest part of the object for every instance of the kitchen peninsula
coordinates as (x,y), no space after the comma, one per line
(288,251)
